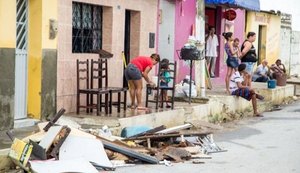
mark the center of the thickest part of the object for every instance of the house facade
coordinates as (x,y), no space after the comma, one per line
(114,26)
(28,57)
(267,26)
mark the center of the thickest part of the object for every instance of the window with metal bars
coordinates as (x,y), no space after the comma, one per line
(86,28)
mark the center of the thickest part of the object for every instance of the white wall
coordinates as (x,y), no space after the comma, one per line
(295,53)
(286,6)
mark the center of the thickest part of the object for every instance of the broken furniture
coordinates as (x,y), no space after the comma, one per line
(99,72)
(158,99)
(84,75)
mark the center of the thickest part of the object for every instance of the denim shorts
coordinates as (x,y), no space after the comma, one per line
(132,73)
(163,84)
(249,67)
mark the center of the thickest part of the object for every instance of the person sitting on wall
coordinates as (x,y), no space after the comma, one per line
(261,72)
(277,69)
(240,87)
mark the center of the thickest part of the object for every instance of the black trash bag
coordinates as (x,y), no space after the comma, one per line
(190,53)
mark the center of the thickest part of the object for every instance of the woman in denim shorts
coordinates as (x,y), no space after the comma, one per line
(139,68)
(248,52)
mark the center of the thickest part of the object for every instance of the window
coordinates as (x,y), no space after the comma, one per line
(86,28)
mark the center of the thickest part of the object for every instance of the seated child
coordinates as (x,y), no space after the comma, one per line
(165,75)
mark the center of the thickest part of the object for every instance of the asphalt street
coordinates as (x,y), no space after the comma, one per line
(256,145)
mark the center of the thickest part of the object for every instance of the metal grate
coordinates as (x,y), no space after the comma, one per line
(21,60)
(22,13)
(87,28)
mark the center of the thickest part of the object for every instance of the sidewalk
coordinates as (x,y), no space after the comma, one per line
(218,107)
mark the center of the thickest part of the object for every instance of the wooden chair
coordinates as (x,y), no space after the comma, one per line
(101,69)
(83,75)
(159,98)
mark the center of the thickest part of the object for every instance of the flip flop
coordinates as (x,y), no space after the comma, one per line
(258,115)
(131,107)
(260,97)
(142,108)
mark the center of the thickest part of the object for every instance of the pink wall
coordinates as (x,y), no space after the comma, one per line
(238,28)
(185,17)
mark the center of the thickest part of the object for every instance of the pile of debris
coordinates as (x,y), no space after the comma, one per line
(61,147)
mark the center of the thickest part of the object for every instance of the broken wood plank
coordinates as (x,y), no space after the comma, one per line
(127,151)
(54,119)
(193,150)
(50,136)
(177,153)
(201,156)
(64,133)
(159,136)
(175,129)
(151,131)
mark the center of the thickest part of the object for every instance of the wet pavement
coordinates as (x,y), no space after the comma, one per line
(20,133)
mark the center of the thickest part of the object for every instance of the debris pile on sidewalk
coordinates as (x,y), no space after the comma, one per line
(64,147)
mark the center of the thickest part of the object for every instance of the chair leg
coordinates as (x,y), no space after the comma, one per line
(110,102)
(77,103)
(119,102)
(97,104)
(172,106)
(100,102)
(146,105)
(91,103)
(106,104)
(87,103)
(157,99)
(125,100)
(162,99)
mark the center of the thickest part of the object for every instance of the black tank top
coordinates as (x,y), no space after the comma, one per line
(250,56)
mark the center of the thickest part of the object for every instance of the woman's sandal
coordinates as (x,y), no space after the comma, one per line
(142,108)
(258,115)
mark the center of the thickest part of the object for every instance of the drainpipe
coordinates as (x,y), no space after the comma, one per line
(200,34)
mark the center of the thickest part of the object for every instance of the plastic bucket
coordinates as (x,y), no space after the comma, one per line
(271,84)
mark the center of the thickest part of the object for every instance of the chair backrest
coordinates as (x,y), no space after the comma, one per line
(172,70)
(82,74)
(99,73)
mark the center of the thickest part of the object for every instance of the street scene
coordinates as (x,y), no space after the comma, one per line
(149,86)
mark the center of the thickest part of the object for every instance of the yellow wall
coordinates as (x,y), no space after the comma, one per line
(8,24)
(40,11)
(272,23)
(49,12)
(34,58)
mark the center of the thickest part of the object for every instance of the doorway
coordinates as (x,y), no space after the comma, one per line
(131,37)
(127,43)
(166,36)
(262,37)
(21,60)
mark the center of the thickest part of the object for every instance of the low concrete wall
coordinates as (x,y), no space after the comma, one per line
(217,105)
(216,109)
(167,118)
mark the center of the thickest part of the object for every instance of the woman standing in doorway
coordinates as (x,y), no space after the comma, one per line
(248,53)
(232,59)
(137,69)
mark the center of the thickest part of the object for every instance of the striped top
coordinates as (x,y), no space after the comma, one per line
(235,78)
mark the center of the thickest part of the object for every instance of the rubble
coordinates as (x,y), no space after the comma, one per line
(62,146)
